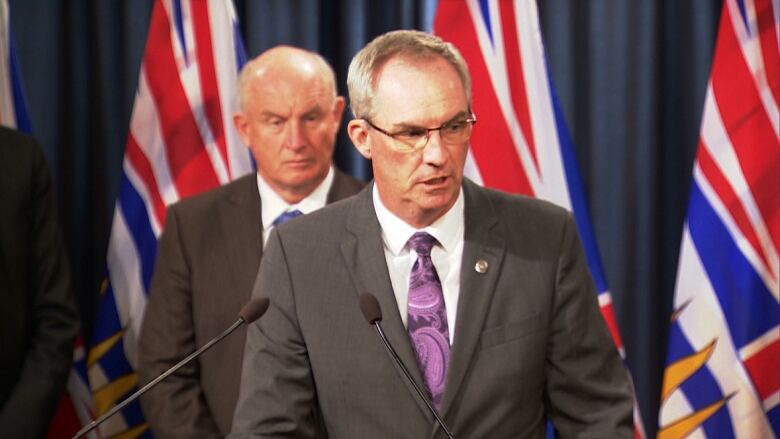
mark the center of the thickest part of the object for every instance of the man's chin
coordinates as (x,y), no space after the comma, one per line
(304,178)
(300,167)
(439,201)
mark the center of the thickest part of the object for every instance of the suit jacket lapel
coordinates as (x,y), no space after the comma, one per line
(483,241)
(363,252)
(240,217)
(241,225)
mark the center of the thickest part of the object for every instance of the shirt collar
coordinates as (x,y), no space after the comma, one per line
(396,232)
(274,205)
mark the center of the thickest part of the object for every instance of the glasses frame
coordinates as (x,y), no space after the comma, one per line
(472,119)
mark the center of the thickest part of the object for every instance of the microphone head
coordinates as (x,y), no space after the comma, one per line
(254,309)
(370,308)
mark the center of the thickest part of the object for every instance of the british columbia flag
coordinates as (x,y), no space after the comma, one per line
(523,146)
(181,143)
(722,377)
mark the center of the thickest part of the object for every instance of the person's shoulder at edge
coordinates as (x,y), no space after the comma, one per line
(206,200)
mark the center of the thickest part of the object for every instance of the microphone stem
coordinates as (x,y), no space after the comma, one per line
(89,427)
(410,379)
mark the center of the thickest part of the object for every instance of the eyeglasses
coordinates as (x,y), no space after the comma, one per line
(415,138)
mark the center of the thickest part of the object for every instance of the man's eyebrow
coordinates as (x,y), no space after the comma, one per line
(407,125)
(314,111)
(269,114)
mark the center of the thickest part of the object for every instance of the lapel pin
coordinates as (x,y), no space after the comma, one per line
(481,266)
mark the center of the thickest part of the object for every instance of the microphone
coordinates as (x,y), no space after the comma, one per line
(369,306)
(248,314)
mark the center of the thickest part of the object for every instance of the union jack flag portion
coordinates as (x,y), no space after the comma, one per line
(522,144)
(181,143)
(722,376)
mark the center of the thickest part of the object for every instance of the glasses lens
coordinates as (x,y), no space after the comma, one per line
(456,132)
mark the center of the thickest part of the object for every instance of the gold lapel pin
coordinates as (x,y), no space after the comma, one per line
(481,266)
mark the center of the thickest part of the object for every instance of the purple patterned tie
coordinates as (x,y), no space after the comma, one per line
(428,317)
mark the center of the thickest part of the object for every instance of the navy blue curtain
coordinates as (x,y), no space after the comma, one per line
(631,76)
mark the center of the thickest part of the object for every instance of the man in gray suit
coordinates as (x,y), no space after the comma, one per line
(486,296)
(212,244)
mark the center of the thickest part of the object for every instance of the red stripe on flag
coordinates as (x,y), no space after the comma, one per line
(187,157)
(66,421)
(608,312)
(208,78)
(514,63)
(491,143)
(733,203)
(769,48)
(143,168)
(747,124)
(762,367)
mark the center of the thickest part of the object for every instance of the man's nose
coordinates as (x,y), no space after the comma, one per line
(433,152)
(295,137)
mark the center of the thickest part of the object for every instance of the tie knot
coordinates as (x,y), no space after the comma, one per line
(287,216)
(422,243)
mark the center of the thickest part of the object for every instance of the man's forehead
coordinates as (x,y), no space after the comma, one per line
(284,94)
(296,107)
(406,74)
(415,91)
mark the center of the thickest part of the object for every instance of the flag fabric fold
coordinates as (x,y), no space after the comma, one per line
(523,144)
(181,142)
(13,105)
(722,376)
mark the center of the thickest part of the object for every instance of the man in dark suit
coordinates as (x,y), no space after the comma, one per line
(38,318)
(212,244)
(486,296)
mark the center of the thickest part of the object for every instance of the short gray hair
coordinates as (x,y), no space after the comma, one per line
(401,43)
(272,56)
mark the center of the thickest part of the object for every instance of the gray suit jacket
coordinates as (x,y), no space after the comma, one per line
(207,261)
(529,343)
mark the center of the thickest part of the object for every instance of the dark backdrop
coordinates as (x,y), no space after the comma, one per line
(631,76)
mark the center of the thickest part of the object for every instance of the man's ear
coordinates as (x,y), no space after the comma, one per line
(242,126)
(338,108)
(358,133)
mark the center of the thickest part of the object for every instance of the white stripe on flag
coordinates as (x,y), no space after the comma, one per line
(553,186)
(496,68)
(750,46)
(7,113)
(145,129)
(223,41)
(124,270)
(701,318)
(718,143)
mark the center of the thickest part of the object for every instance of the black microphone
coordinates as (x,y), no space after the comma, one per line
(373,314)
(248,314)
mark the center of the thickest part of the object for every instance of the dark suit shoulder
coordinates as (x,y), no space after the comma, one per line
(525,224)
(238,190)
(20,155)
(344,185)
(506,203)
(11,139)
(332,214)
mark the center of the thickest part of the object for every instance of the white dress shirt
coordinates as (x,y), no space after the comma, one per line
(446,255)
(273,205)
